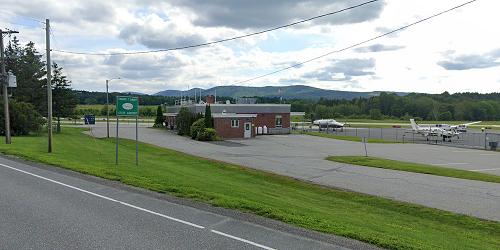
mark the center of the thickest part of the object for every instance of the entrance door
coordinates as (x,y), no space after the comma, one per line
(248,130)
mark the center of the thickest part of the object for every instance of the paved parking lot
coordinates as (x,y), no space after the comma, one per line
(302,157)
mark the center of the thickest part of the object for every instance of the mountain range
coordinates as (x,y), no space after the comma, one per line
(287,92)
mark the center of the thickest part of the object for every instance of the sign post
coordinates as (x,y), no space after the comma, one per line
(128,106)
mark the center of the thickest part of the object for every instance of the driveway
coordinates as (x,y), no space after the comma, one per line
(302,157)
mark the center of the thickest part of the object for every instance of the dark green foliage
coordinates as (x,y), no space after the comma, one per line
(63,99)
(24,118)
(459,107)
(197,127)
(207,134)
(26,63)
(184,121)
(159,117)
(375,114)
(209,122)
(91,98)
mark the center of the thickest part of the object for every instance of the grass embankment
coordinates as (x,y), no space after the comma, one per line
(415,167)
(379,221)
(345,137)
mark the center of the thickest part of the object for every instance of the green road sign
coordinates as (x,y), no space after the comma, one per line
(127,106)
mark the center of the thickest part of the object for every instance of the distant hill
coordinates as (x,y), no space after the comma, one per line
(287,92)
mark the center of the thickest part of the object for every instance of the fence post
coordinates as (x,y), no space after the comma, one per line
(485,141)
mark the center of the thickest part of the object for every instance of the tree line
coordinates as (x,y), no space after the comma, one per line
(443,107)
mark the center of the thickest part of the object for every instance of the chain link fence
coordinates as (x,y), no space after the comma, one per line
(480,140)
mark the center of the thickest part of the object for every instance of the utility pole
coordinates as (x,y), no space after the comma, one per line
(3,77)
(49,85)
(107,103)
(107,109)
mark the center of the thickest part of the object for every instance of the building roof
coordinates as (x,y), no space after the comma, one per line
(233,115)
(236,108)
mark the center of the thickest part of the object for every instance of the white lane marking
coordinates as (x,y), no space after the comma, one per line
(487,169)
(242,240)
(106,198)
(136,207)
(488,154)
(450,163)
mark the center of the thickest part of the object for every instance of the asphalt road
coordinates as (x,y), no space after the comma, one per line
(49,208)
(302,157)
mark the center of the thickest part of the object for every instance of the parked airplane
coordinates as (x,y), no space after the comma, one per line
(461,128)
(433,130)
(328,123)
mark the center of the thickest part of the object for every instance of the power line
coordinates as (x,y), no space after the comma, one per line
(25,17)
(356,44)
(219,41)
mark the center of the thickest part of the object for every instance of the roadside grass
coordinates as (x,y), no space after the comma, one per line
(414,167)
(379,221)
(345,137)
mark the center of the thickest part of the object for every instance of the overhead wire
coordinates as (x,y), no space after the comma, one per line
(357,44)
(222,40)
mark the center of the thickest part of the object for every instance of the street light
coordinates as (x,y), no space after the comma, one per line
(107,103)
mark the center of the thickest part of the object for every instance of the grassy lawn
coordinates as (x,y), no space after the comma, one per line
(380,221)
(414,167)
(344,137)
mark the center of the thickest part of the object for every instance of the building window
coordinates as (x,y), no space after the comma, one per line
(235,123)
(279,121)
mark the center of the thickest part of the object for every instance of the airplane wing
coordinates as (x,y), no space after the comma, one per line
(471,123)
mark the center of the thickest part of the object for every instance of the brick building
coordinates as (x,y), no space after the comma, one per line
(241,120)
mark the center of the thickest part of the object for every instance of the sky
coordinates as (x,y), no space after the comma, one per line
(456,52)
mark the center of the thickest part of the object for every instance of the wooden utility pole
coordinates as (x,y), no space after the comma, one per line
(49,85)
(3,77)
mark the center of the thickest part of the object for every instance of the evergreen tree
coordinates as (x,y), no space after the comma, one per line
(63,99)
(26,63)
(159,117)
(209,123)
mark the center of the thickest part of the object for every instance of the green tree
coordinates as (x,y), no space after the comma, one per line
(26,63)
(159,117)
(209,123)
(63,99)
(375,114)
(184,120)
(24,118)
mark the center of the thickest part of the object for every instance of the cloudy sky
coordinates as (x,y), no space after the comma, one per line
(456,52)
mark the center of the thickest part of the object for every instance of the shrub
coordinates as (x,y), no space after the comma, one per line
(24,118)
(207,134)
(197,127)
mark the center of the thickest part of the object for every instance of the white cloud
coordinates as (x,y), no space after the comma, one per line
(409,61)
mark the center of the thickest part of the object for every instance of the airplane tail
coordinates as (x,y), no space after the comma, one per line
(414,125)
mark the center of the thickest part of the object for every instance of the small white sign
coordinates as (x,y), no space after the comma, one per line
(11,80)
(128,106)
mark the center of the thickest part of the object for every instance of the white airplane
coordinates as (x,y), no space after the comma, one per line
(328,123)
(433,130)
(461,128)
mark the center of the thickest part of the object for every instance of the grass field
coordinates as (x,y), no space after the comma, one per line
(344,137)
(380,221)
(415,167)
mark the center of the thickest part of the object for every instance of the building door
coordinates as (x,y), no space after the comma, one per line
(248,130)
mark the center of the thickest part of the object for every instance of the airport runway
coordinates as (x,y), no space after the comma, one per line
(51,208)
(302,157)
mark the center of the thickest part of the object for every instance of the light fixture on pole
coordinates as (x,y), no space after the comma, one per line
(107,103)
